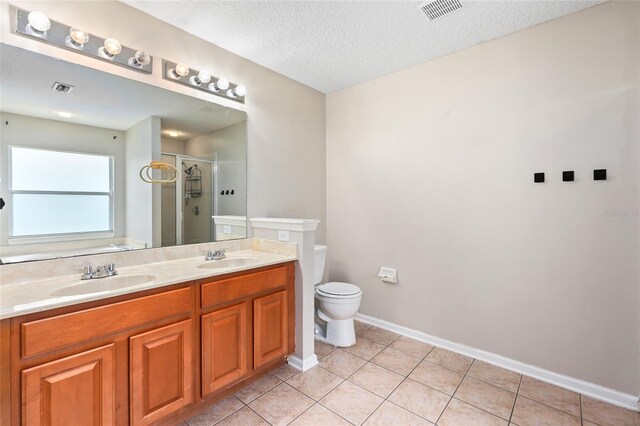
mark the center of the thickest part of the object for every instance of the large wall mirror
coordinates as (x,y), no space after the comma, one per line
(73,141)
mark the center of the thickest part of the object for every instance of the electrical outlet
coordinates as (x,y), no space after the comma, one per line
(283,235)
(226,229)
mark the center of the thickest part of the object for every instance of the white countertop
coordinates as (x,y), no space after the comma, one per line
(35,296)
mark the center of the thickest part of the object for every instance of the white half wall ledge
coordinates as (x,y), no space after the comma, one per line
(285,224)
(302,364)
(592,390)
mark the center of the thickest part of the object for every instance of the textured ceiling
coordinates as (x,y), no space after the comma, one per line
(331,45)
(100,99)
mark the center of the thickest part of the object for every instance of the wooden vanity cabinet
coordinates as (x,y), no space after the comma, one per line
(224,347)
(154,357)
(160,372)
(246,326)
(74,390)
(270,340)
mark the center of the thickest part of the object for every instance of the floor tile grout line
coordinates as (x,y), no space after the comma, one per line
(230,414)
(553,408)
(258,414)
(398,385)
(466,373)
(517,393)
(454,392)
(369,361)
(516,398)
(335,413)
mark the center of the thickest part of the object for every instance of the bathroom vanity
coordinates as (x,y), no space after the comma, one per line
(155,356)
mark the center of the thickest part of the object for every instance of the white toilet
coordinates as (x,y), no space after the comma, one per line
(336,305)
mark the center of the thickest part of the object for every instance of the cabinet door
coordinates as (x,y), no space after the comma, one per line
(270,328)
(224,347)
(76,390)
(161,372)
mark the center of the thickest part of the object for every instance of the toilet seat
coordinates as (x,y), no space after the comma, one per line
(338,290)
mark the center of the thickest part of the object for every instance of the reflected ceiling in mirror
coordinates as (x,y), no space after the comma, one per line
(73,142)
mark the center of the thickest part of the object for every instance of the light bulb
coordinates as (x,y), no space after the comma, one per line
(77,38)
(174,134)
(140,59)
(203,77)
(238,92)
(38,24)
(221,84)
(182,70)
(111,48)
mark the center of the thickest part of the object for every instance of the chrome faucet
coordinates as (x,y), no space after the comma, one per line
(215,255)
(103,271)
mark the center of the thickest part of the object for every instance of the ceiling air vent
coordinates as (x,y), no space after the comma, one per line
(439,8)
(62,87)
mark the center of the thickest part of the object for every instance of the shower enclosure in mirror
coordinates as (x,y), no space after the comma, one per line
(71,160)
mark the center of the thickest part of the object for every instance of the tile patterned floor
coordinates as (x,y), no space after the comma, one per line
(388,379)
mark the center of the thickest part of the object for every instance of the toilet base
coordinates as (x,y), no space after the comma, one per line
(339,333)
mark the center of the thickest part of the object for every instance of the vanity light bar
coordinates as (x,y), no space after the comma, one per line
(37,26)
(202,80)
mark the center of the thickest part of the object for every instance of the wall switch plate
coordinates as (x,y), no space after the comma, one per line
(567,176)
(600,174)
(283,235)
(226,229)
(538,177)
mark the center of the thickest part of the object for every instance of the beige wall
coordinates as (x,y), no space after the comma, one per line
(286,120)
(430,170)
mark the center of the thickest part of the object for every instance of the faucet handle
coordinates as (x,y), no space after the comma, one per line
(111,267)
(209,255)
(87,273)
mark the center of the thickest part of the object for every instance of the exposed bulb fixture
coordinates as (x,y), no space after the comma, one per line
(221,85)
(174,134)
(64,114)
(140,59)
(111,48)
(76,38)
(203,77)
(38,24)
(179,71)
(239,92)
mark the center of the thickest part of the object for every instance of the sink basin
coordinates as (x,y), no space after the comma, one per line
(104,284)
(234,262)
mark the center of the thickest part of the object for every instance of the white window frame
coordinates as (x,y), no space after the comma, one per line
(70,236)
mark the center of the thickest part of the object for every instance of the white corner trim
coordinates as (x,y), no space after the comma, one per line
(230,220)
(284,224)
(586,388)
(302,364)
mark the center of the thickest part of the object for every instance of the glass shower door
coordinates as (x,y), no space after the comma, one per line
(196,206)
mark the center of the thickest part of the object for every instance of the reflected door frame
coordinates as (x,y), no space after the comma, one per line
(180,192)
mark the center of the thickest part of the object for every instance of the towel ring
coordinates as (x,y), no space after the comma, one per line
(145,172)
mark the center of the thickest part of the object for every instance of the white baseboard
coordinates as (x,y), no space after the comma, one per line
(586,388)
(302,364)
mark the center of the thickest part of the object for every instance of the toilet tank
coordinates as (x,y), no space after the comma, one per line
(320,253)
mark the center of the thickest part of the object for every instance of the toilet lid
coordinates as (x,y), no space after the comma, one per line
(338,289)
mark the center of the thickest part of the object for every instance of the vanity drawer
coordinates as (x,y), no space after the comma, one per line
(235,288)
(76,327)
